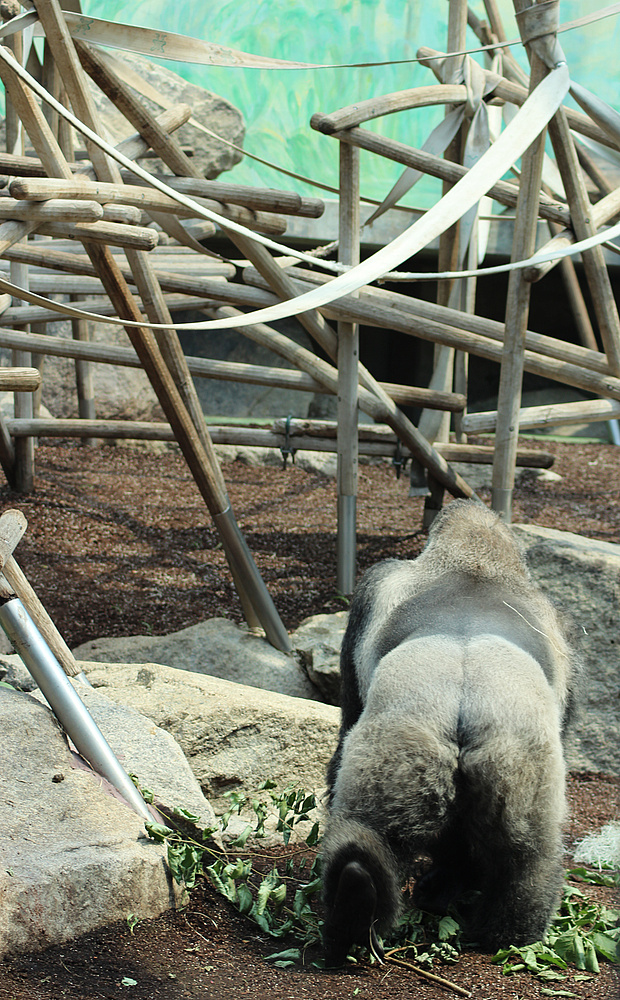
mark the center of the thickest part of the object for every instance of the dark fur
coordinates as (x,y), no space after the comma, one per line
(457,684)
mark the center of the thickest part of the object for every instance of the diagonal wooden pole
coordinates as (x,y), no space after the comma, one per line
(206,474)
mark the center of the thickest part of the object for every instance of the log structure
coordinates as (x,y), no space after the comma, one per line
(117,242)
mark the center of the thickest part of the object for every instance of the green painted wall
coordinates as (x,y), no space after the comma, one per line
(278,104)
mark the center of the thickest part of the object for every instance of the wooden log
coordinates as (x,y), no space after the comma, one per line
(23,481)
(99,307)
(429,321)
(263,199)
(126,215)
(13,232)
(132,147)
(597,276)
(145,198)
(517,311)
(131,108)
(348,379)
(45,256)
(83,374)
(505,192)
(53,210)
(433,425)
(382,444)
(104,233)
(229,371)
(550,415)
(602,211)
(13,526)
(19,379)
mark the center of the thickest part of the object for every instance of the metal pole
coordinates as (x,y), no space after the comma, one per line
(66,703)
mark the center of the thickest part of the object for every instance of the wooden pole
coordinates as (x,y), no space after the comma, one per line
(375,440)
(83,375)
(432,425)
(203,466)
(603,300)
(517,310)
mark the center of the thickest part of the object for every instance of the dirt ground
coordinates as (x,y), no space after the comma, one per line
(119,542)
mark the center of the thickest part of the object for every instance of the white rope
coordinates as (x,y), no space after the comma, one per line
(529,121)
(184,48)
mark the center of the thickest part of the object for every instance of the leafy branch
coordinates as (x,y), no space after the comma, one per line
(283,901)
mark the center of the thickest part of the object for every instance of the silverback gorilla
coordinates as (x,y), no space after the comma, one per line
(457,684)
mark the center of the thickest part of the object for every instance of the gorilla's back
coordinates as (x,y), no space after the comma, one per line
(464,607)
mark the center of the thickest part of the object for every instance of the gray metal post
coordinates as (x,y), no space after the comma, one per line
(66,703)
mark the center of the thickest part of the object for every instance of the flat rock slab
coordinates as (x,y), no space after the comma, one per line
(233,736)
(217,647)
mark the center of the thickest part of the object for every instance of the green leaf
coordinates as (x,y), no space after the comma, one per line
(591,961)
(448,928)
(290,956)
(241,840)
(313,837)
(557,993)
(606,946)
(244,898)
(265,889)
(186,814)
(157,831)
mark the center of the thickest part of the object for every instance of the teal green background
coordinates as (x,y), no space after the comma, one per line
(277,104)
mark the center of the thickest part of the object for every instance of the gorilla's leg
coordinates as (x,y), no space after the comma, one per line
(360,889)
(514,832)
(393,791)
(447,882)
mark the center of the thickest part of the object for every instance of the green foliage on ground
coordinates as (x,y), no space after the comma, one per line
(283,902)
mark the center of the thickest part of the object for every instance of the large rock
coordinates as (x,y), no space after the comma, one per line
(233,736)
(582,578)
(318,640)
(215,113)
(217,647)
(148,752)
(75,856)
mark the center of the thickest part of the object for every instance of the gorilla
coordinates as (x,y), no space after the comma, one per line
(457,685)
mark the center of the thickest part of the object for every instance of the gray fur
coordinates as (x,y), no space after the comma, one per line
(457,683)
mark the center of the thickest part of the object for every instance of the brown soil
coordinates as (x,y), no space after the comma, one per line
(119,542)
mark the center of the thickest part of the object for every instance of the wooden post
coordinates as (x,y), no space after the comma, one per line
(83,375)
(433,425)
(517,310)
(603,300)
(348,376)
(23,469)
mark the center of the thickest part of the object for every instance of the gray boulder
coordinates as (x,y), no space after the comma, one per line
(217,647)
(215,113)
(318,641)
(148,752)
(75,856)
(233,736)
(582,578)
